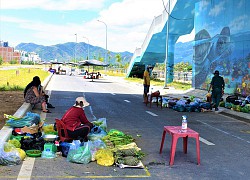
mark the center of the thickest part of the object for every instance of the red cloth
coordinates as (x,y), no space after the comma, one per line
(74,117)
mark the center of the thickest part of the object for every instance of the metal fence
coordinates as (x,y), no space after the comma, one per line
(178,76)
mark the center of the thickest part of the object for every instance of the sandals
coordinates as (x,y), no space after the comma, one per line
(47,111)
(50,105)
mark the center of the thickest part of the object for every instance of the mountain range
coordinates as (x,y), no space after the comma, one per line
(70,50)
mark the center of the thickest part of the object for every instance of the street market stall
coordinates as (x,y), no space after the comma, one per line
(93,62)
(32,137)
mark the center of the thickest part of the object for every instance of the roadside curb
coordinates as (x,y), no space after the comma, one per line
(6,131)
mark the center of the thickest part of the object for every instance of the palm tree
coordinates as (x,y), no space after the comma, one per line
(118,59)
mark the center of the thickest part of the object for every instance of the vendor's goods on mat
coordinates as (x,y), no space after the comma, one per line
(107,148)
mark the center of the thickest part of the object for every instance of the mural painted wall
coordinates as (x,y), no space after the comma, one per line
(222,42)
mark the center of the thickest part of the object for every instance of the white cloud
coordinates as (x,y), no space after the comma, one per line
(52,4)
(128,23)
(10,19)
(217,9)
(128,18)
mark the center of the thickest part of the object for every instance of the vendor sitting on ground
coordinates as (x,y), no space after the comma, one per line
(77,124)
(34,94)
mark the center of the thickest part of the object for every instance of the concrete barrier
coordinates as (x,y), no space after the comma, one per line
(6,131)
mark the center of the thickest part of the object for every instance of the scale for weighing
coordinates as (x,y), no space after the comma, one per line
(50,146)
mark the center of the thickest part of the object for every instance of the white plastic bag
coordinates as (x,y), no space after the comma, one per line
(11,157)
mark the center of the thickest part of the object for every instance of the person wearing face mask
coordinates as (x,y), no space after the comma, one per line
(217,85)
(75,120)
(146,84)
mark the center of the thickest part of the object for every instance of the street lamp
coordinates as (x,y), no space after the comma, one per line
(75,49)
(88,46)
(106,39)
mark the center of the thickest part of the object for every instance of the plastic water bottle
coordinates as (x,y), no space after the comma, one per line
(184,124)
(152,90)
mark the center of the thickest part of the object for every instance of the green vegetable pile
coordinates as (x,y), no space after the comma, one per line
(116,138)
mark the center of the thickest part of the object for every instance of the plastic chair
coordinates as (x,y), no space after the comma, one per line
(62,131)
(158,99)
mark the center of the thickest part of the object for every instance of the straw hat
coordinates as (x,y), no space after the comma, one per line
(80,100)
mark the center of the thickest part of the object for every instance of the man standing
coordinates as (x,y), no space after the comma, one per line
(217,85)
(146,84)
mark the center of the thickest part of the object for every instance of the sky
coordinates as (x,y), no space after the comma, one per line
(51,22)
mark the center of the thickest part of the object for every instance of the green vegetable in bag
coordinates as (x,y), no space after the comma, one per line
(15,142)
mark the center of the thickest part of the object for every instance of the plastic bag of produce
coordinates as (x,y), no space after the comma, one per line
(49,129)
(22,153)
(95,135)
(79,154)
(104,157)
(9,155)
(115,132)
(64,146)
(205,105)
(15,142)
(228,105)
(35,118)
(244,109)
(28,120)
(95,146)
(179,108)
(247,99)
(102,123)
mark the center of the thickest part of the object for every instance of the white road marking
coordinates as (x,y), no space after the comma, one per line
(26,169)
(227,133)
(113,94)
(153,114)
(206,141)
(127,101)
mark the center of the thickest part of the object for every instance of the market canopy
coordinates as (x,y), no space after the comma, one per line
(55,62)
(72,63)
(92,62)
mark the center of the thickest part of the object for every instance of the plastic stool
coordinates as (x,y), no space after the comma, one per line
(176,132)
(150,97)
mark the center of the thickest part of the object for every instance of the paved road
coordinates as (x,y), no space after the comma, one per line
(224,144)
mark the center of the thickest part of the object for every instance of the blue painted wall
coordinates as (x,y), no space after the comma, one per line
(222,42)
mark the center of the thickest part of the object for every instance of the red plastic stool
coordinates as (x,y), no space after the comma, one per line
(176,132)
(150,98)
